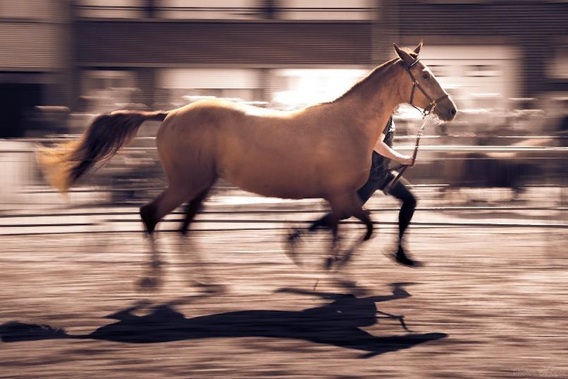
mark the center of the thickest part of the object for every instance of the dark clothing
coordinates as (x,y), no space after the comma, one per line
(380,174)
(401,192)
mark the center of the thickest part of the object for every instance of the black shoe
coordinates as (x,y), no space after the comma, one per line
(401,258)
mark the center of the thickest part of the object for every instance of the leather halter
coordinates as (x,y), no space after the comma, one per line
(416,84)
(425,112)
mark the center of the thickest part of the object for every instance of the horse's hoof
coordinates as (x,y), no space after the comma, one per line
(290,250)
(328,263)
(157,263)
(336,263)
(148,283)
(346,258)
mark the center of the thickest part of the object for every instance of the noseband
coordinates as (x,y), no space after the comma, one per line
(416,84)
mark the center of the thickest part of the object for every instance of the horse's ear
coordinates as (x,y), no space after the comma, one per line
(418,48)
(404,55)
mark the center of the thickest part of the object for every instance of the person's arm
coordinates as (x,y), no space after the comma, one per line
(386,151)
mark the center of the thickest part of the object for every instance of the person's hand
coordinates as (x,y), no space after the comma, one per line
(406,160)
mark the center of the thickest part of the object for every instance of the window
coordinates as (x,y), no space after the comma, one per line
(229,9)
(29,9)
(481,71)
(557,66)
(327,9)
(298,87)
(212,9)
(111,8)
(178,86)
(107,90)
(440,71)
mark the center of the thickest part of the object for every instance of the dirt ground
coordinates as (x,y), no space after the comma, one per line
(490,302)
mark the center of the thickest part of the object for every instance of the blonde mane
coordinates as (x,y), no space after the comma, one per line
(376,71)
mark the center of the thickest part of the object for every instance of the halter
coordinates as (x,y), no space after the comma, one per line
(416,84)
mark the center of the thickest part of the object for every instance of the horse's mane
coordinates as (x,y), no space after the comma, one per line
(379,69)
(375,71)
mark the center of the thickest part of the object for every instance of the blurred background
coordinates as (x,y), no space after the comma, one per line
(504,62)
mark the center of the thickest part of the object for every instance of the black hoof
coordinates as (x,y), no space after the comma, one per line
(292,240)
(336,263)
(328,263)
(149,283)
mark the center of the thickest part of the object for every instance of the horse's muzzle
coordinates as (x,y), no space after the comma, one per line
(446,110)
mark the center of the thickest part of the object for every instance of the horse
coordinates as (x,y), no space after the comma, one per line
(319,151)
(533,159)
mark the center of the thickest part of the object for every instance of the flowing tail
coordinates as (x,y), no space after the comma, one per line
(64,164)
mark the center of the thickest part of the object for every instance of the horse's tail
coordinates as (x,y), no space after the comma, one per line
(64,164)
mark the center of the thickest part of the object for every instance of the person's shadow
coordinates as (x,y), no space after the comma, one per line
(338,323)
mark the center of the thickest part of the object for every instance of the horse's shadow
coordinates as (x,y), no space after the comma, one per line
(338,323)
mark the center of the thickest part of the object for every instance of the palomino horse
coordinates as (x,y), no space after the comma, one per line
(320,151)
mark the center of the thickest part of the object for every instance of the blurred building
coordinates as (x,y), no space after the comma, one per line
(101,54)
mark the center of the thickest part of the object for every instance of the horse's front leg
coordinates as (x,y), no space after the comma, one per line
(332,259)
(363,216)
(342,259)
(294,236)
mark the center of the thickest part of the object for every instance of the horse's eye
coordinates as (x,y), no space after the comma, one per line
(425,75)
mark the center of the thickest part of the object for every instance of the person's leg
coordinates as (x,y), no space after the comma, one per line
(401,192)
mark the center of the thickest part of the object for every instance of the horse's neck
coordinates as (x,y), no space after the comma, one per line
(372,101)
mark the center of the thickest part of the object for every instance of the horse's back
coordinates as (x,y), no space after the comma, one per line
(271,153)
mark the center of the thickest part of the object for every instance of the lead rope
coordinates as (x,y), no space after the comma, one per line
(427,120)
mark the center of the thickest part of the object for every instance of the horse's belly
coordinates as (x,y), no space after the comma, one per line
(275,182)
(294,181)
(282,187)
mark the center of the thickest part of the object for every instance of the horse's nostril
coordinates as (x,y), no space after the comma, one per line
(453,111)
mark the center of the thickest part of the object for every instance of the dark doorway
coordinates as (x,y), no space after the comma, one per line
(16,101)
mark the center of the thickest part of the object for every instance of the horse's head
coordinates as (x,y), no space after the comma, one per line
(426,94)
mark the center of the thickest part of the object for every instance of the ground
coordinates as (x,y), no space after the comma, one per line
(490,302)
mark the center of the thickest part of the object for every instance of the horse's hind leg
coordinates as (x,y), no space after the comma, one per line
(204,279)
(154,211)
(151,214)
(191,210)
